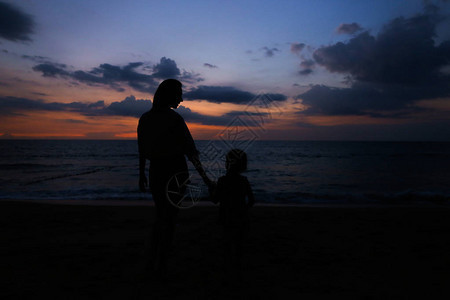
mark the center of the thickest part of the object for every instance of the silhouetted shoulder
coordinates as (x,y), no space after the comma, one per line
(155,113)
(234,185)
(163,133)
(144,117)
(175,114)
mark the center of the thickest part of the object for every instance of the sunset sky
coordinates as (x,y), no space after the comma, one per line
(290,70)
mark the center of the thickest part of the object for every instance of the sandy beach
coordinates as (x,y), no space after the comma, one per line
(97,252)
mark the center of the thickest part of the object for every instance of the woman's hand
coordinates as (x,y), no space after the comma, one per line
(208,182)
(211,188)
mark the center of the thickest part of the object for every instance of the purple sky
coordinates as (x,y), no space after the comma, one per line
(333,70)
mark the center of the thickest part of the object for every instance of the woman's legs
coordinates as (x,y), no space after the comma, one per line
(163,232)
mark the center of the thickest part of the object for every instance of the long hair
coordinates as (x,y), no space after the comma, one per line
(166,92)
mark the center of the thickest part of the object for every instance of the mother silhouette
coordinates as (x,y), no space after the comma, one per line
(165,140)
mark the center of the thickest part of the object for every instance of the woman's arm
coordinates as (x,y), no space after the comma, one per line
(198,166)
(143,183)
(212,186)
(188,145)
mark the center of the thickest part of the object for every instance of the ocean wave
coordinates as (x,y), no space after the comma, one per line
(66,175)
(15,166)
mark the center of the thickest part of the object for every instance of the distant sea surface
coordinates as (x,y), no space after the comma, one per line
(283,172)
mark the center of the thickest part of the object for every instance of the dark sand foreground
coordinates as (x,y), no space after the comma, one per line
(96,252)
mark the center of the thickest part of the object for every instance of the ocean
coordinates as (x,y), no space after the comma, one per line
(280,172)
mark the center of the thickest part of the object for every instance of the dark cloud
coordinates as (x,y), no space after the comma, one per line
(219,94)
(297,47)
(249,118)
(36,58)
(115,77)
(129,107)
(269,52)
(210,66)
(190,77)
(51,70)
(348,28)
(304,52)
(307,63)
(14,105)
(247,113)
(225,94)
(388,72)
(307,66)
(15,25)
(363,99)
(167,68)
(275,97)
(306,71)
(404,52)
(194,117)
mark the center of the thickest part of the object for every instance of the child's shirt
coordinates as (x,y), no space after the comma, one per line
(232,192)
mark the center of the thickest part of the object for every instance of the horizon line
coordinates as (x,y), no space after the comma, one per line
(258,140)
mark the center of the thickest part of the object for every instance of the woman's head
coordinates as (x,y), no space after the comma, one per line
(236,161)
(168,94)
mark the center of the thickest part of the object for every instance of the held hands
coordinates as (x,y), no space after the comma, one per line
(211,188)
(198,166)
(211,184)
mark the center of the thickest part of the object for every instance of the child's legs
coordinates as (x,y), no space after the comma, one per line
(233,247)
(227,246)
(239,240)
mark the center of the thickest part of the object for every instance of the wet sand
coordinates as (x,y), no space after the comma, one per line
(97,252)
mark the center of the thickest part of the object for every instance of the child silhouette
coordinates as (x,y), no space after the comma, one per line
(232,191)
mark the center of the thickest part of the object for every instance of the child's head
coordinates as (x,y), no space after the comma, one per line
(236,161)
